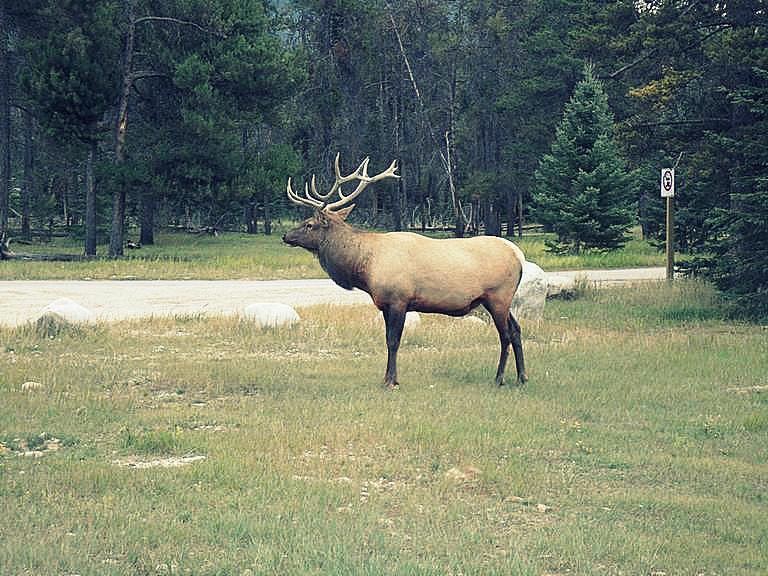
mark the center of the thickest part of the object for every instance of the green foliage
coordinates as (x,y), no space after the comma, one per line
(269,169)
(741,243)
(700,91)
(217,84)
(583,191)
(740,264)
(154,442)
(74,64)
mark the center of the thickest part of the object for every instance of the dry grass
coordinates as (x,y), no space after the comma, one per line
(628,453)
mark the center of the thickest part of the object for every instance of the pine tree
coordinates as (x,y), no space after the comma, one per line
(740,250)
(583,191)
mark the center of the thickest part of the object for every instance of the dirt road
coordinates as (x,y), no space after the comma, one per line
(21,301)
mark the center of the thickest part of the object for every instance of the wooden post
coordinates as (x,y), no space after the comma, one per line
(668,192)
(670,238)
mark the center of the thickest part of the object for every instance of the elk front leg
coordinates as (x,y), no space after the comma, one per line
(394,318)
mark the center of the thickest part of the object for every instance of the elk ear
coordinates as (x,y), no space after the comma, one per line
(344,212)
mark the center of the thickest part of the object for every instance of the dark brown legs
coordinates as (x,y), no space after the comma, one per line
(509,333)
(394,318)
(517,348)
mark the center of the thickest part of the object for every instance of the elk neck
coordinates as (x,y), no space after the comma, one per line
(344,255)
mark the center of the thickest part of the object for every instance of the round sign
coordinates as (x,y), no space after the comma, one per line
(667,182)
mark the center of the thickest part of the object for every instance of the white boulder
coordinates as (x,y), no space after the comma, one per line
(412,320)
(532,293)
(271,315)
(472,320)
(562,285)
(65,311)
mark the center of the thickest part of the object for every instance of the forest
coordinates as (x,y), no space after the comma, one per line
(122,117)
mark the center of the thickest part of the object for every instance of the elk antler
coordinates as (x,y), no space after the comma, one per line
(313,198)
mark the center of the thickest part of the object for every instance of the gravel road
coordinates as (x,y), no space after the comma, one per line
(21,300)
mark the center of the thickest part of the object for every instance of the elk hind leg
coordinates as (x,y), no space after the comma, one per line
(517,347)
(500,319)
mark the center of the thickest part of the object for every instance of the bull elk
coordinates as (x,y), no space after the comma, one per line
(402,271)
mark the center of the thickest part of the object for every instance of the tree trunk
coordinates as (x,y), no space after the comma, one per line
(251,223)
(492,220)
(118,199)
(459,231)
(511,212)
(397,205)
(90,201)
(147,234)
(70,182)
(27,189)
(5,122)
(267,217)
(397,213)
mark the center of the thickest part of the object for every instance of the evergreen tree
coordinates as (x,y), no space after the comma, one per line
(740,250)
(71,81)
(583,190)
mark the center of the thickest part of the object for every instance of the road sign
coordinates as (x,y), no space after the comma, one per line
(667,182)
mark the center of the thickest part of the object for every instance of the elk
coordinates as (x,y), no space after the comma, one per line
(403,271)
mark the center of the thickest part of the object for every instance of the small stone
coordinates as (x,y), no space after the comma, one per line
(31,385)
(465,474)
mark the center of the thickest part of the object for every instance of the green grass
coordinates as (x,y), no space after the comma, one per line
(635,253)
(258,257)
(639,446)
(174,257)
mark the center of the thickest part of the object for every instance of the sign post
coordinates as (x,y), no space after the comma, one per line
(668,192)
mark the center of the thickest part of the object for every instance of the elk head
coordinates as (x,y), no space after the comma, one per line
(328,214)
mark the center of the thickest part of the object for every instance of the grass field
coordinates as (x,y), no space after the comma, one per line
(258,257)
(639,446)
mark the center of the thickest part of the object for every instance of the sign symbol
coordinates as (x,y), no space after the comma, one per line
(667,182)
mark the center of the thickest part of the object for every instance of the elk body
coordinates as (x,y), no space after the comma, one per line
(403,271)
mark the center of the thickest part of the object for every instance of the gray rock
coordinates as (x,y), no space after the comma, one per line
(271,315)
(532,293)
(412,320)
(69,310)
(61,313)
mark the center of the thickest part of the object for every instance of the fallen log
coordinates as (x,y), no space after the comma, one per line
(7,254)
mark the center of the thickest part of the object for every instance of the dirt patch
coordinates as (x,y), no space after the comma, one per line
(758,389)
(169,462)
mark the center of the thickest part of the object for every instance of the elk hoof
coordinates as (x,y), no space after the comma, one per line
(392,385)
